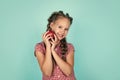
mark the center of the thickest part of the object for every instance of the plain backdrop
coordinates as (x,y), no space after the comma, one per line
(95,34)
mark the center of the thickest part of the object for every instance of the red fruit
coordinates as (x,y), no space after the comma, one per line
(51,33)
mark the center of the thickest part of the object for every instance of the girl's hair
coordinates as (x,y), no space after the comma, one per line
(63,43)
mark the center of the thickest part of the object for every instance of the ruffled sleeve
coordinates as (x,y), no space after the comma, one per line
(70,48)
(39,47)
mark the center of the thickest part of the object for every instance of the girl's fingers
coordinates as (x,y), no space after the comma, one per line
(45,34)
(49,37)
(52,40)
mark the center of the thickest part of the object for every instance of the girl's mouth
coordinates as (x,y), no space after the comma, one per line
(60,36)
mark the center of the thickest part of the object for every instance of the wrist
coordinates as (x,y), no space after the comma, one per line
(48,49)
(53,50)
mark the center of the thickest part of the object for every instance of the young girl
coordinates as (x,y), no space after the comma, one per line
(55,56)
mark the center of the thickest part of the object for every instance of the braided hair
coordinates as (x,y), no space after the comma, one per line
(63,43)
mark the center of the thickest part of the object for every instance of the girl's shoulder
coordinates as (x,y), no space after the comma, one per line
(40,44)
(70,47)
(40,47)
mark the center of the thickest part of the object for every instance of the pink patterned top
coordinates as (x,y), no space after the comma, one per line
(57,73)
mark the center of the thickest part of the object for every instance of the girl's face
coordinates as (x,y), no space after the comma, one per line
(60,27)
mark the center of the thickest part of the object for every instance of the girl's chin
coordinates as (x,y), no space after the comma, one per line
(60,38)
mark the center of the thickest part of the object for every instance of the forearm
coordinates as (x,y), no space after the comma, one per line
(64,66)
(47,65)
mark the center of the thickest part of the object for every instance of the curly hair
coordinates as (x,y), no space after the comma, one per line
(63,43)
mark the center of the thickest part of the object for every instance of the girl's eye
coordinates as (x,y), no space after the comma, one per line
(59,27)
(66,29)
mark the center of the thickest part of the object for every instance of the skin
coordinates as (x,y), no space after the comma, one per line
(61,28)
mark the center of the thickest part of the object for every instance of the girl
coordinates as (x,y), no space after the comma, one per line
(55,56)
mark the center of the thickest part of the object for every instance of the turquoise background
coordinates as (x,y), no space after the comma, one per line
(95,33)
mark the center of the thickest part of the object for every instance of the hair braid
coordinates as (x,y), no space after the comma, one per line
(63,47)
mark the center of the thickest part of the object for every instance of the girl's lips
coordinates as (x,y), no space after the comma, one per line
(60,36)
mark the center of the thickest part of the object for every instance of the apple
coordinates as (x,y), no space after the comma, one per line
(51,33)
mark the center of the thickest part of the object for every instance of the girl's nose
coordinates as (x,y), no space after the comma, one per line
(62,31)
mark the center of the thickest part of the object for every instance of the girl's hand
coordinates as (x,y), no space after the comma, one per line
(46,37)
(54,42)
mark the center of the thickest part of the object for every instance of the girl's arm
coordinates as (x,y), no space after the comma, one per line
(66,67)
(45,62)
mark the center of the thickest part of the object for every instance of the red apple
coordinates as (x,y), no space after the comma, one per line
(51,33)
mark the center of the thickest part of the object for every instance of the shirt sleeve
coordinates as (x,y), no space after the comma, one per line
(39,47)
(70,48)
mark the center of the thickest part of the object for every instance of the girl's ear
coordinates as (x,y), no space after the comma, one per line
(51,24)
